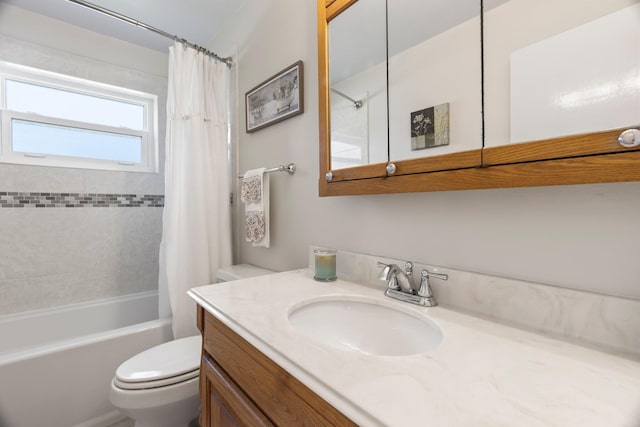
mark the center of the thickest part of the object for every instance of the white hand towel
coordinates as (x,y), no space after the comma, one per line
(255,195)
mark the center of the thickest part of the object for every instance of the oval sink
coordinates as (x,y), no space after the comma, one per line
(366,327)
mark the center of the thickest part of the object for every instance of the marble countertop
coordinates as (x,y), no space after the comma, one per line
(482,374)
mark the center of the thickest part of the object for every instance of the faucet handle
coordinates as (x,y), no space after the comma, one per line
(441,276)
(425,287)
(385,270)
(392,281)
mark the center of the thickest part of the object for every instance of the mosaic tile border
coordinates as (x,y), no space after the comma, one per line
(14,199)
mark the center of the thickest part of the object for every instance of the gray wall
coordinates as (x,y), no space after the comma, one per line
(581,237)
(63,255)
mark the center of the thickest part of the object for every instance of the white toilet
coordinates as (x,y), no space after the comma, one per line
(159,387)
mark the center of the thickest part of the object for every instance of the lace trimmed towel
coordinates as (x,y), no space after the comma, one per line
(255,196)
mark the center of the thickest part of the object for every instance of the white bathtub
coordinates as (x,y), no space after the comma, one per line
(56,364)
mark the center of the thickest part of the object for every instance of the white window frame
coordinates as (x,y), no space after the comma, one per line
(148,135)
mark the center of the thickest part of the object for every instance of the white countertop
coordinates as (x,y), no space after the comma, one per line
(482,374)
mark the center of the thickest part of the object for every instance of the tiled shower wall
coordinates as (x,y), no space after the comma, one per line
(58,256)
(75,235)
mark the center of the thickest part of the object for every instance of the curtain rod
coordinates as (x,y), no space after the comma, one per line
(356,104)
(132,21)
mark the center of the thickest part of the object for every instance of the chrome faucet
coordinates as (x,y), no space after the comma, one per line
(400,284)
(396,278)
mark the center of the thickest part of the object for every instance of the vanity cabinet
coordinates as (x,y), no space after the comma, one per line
(240,386)
(223,402)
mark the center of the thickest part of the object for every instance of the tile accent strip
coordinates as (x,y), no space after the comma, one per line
(13,199)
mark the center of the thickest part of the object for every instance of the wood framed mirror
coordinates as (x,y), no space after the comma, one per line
(525,142)
(413,117)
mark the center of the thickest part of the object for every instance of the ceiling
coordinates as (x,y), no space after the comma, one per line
(198,21)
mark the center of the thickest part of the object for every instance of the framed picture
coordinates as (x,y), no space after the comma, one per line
(430,127)
(276,99)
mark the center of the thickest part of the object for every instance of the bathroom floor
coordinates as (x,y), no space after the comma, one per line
(129,423)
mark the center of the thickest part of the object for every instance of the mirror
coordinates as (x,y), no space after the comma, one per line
(524,57)
(391,95)
(435,84)
(358,85)
(548,79)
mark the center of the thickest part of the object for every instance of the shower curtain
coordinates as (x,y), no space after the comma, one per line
(196,234)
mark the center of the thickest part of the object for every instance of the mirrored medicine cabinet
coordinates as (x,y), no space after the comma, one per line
(433,95)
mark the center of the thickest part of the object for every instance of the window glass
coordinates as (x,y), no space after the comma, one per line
(43,138)
(51,119)
(63,104)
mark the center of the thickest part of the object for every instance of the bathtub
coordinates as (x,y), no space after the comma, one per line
(56,364)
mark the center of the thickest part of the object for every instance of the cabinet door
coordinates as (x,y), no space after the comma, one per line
(224,403)
(281,397)
(561,78)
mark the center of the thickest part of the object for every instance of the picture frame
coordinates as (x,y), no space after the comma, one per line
(278,98)
(430,127)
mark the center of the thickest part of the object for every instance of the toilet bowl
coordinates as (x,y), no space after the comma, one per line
(160,386)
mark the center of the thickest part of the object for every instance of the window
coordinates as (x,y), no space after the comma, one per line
(50,119)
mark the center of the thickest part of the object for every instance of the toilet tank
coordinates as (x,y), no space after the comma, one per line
(240,271)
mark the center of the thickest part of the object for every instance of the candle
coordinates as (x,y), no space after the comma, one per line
(325,265)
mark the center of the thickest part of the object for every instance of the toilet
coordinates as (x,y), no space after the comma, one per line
(159,387)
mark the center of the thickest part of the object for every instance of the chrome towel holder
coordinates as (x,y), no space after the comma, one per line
(290,169)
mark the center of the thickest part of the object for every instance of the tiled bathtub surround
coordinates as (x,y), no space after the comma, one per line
(54,257)
(64,237)
(601,320)
(14,199)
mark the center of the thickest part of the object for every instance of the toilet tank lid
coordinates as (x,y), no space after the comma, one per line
(241,271)
(162,361)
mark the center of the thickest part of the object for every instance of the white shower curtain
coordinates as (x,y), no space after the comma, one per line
(196,234)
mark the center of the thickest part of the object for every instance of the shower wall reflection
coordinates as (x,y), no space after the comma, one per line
(349,130)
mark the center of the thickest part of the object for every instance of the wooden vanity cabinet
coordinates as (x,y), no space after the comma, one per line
(223,402)
(240,386)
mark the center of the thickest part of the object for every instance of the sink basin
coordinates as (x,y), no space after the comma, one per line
(366,327)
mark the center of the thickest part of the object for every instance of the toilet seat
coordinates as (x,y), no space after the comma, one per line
(170,363)
(141,385)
